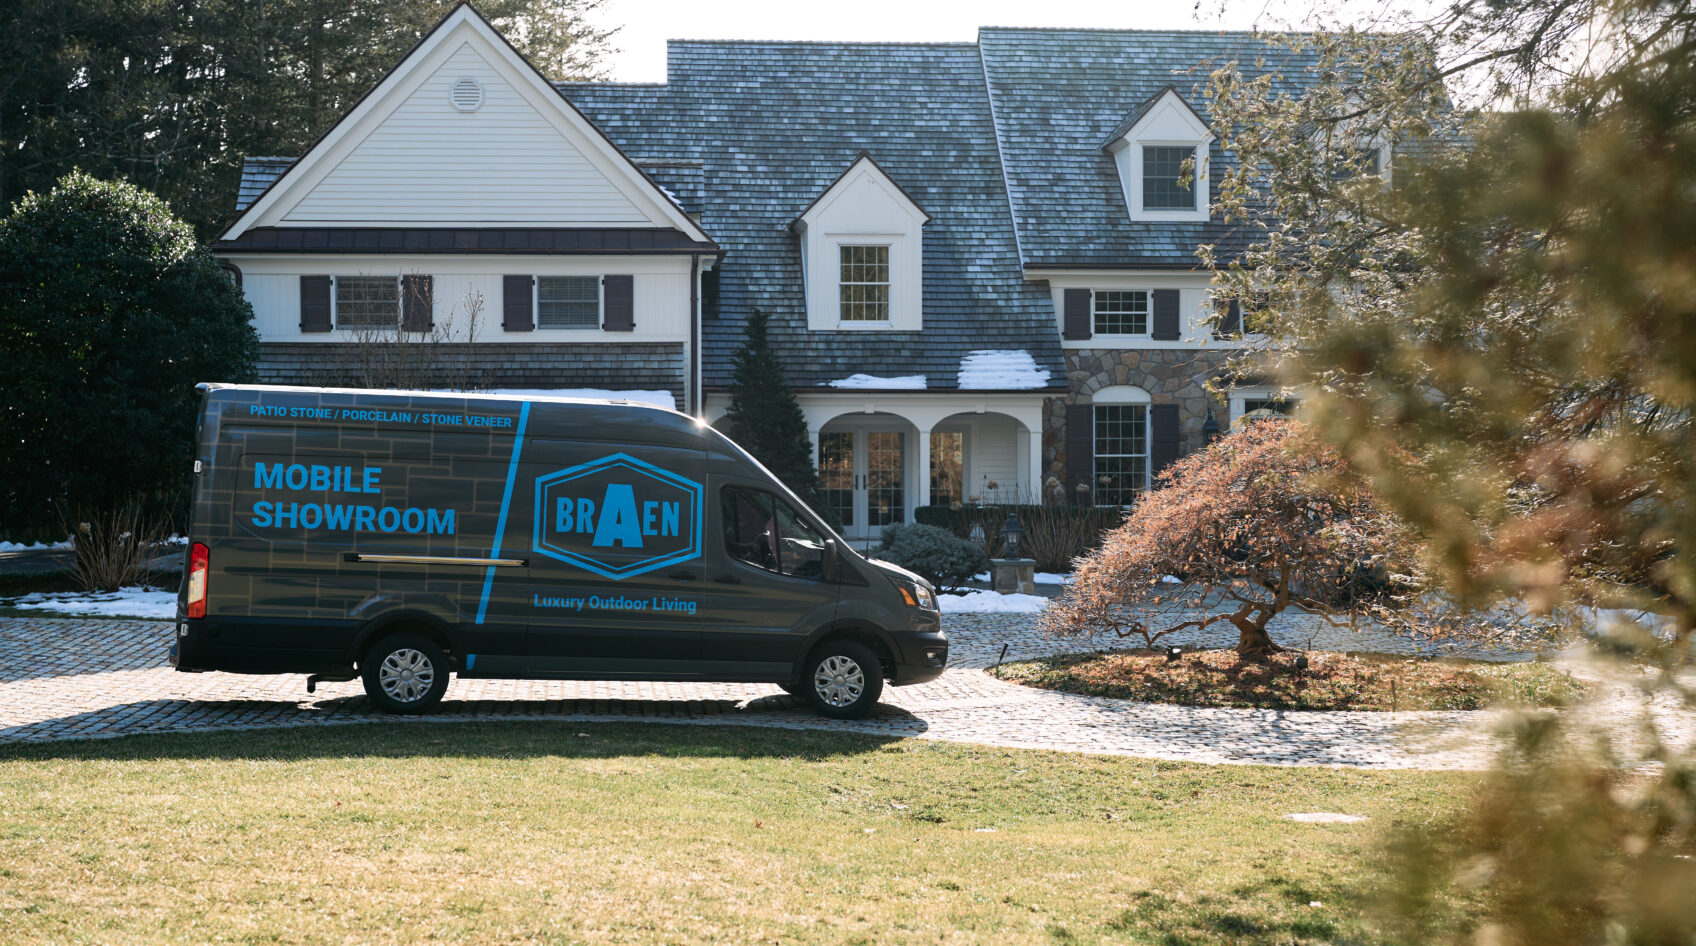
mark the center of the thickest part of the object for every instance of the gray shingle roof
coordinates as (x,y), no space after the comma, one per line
(1058,94)
(256,175)
(773,125)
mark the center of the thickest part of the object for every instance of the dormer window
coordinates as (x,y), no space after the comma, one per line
(865,282)
(862,254)
(1164,186)
(1161,151)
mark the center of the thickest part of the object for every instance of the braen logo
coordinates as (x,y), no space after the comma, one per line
(618,516)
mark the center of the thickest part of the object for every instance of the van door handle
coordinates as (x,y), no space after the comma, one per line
(728,580)
(683,576)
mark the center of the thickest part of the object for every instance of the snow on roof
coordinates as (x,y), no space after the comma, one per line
(910,382)
(997,370)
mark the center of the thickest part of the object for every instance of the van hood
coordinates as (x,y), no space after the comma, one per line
(892,570)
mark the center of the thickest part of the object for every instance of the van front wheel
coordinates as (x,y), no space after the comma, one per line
(405,673)
(843,679)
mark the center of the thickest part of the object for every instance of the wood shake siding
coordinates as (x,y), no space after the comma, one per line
(643,366)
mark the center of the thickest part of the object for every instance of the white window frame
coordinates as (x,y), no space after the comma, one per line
(888,283)
(1147,314)
(336,303)
(1142,179)
(1118,396)
(600,302)
(1241,396)
(1169,122)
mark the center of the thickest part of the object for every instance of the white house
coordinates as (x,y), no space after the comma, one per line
(978,258)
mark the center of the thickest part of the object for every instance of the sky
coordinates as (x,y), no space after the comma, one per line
(645,25)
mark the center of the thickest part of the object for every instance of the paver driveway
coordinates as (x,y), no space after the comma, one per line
(71,679)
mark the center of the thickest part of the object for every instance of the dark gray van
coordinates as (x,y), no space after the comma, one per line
(401,536)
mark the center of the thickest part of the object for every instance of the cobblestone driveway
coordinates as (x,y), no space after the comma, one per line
(75,679)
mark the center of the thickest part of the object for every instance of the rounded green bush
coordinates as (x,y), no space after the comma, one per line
(944,559)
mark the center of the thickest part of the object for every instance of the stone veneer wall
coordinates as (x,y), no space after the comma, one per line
(1168,375)
(632,366)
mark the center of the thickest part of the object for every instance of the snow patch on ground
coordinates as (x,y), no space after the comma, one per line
(1041,578)
(910,382)
(129,602)
(656,398)
(1325,817)
(990,602)
(997,370)
(37,547)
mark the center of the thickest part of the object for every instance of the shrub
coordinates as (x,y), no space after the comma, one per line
(113,546)
(1055,536)
(109,315)
(943,558)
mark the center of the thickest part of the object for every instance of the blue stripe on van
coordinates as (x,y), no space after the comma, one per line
(506,503)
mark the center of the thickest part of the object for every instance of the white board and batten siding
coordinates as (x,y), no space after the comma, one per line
(660,287)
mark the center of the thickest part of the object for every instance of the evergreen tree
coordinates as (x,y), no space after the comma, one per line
(110,313)
(764,416)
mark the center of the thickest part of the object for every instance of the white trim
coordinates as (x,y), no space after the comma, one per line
(1121,394)
(878,213)
(1169,122)
(461,27)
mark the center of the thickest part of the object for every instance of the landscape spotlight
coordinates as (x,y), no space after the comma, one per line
(1301,662)
(1173,653)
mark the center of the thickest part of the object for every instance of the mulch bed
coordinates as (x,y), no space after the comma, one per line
(1331,681)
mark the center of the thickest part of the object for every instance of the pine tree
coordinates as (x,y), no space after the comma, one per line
(764,417)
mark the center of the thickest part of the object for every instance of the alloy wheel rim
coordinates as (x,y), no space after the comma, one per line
(839,681)
(406,675)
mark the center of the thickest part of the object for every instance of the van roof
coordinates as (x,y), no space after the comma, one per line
(214,386)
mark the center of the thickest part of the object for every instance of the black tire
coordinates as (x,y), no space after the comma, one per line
(843,680)
(405,673)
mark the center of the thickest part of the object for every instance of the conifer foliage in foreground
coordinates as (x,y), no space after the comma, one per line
(764,417)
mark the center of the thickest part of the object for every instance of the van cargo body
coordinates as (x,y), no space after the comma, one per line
(402,536)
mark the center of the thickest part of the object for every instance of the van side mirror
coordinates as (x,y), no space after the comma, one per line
(827,569)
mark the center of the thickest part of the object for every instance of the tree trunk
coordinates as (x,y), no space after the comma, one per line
(1253,643)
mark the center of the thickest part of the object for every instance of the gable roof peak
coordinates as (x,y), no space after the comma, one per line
(863,157)
(1141,111)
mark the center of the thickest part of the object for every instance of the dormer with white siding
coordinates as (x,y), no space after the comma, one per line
(862,254)
(1160,150)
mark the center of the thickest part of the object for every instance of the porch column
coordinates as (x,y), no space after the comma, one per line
(1033,464)
(923,465)
(813,438)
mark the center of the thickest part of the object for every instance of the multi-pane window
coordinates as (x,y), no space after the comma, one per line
(568,302)
(1121,453)
(865,283)
(1162,166)
(1269,405)
(1120,312)
(367,301)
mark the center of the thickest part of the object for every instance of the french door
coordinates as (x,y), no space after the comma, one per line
(863,478)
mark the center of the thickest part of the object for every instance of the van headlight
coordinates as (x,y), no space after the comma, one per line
(917,595)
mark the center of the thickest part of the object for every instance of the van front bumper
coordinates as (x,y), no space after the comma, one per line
(920,656)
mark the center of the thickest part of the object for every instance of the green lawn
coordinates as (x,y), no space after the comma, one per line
(568,833)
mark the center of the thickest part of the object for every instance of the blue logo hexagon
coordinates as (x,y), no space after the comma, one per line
(618,516)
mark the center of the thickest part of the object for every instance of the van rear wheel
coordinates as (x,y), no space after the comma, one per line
(405,673)
(843,680)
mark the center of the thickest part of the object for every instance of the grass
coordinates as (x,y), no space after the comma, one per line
(612,833)
(1331,681)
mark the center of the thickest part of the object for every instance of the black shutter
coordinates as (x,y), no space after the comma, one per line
(1077,323)
(1166,316)
(1162,437)
(619,297)
(1080,453)
(1230,321)
(709,293)
(315,304)
(417,308)
(517,302)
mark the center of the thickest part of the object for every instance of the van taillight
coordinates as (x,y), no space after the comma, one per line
(199,562)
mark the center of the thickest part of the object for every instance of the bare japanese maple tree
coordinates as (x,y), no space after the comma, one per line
(1267,518)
